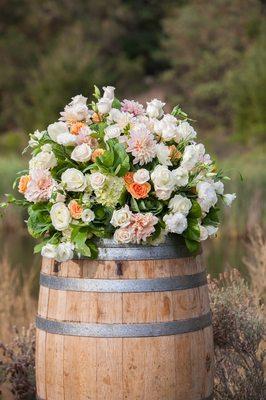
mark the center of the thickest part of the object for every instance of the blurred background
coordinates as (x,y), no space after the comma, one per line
(207,56)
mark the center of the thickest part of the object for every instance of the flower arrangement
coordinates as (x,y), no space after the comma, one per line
(117,169)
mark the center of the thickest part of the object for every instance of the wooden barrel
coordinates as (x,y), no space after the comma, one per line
(133,325)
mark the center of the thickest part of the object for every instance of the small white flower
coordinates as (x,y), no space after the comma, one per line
(60,216)
(219,187)
(104,105)
(43,160)
(180,176)
(112,131)
(81,153)
(163,154)
(87,215)
(97,180)
(73,180)
(185,131)
(229,198)
(180,204)
(121,217)
(109,92)
(155,108)
(64,252)
(162,178)
(141,176)
(175,223)
(49,251)
(56,129)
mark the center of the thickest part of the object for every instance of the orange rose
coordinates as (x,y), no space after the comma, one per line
(128,178)
(139,191)
(76,127)
(23,183)
(97,153)
(75,209)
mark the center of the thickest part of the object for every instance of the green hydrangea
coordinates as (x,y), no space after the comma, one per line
(111,192)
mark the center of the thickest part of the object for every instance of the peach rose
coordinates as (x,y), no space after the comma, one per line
(139,191)
(128,178)
(75,209)
(23,183)
(97,153)
(96,118)
(76,127)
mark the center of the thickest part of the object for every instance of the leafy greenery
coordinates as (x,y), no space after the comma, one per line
(115,160)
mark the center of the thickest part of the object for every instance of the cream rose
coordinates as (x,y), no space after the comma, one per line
(155,108)
(81,153)
(112,131)
(121,217)
(97,180)
(43,160)
(180,204)
(73,180)
(185,131)
(87,215)
(49,251)
(123,235)
(60,216)
(141,176)
(64,251)
(163,154)
(162,178)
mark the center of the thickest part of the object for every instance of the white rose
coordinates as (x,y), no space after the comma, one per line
(166,127)
(180,204)
(163,154)
(203,233)
(212,230)
(60,216)
(163,194)
(155,108)
(56,129)
(192,155)
(219,187)
(64,252)
(162,178)
(141,176)
(43,160)
(121,217)
(112,131)
(229,198)
(73,180)
(180,176)
(185,131)
(123,235)
(49,251)
(87,215)
(104,105)
(109,93)
(97,180)
(175,223)
(66,139)
(81,153)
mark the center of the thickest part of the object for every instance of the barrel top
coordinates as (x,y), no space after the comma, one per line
(173,247)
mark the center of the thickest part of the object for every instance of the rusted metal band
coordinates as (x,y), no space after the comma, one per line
(124,330)
(181,282)
(202,398)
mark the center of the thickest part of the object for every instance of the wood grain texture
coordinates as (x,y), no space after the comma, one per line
(152,368)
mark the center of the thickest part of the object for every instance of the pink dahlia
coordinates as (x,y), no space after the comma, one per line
(40,187)
(133,107)
(141,145)
(142,226)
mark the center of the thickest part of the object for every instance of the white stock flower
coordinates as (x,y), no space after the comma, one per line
(112,131)
(175,223)
(162,178)
(207,196)
(87,215)
(192,155)
(121,217)
(56,129)
(81,153)
(141,176)
(73,180)
(64,251)
(43,160)
(180,176)
(185,131)
(180,204)
(97,180)
(219,187)
(155,108)
(104,105)
(163,154)
(229,198)
(49,251)
(60,216)
(109,92)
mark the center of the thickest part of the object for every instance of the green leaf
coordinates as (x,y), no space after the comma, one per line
(195,211)
(193,231)
(212,218)
(192,245)
(134,205)
(116,104)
